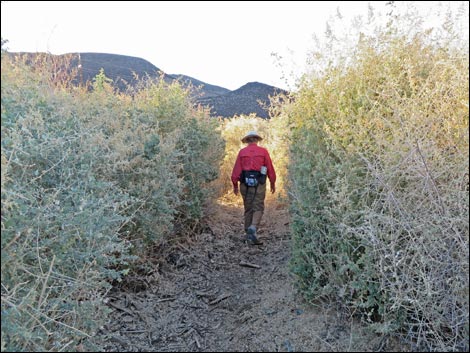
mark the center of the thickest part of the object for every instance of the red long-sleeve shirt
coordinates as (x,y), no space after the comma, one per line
(253,157)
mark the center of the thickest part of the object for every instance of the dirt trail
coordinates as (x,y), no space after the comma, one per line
(216,293)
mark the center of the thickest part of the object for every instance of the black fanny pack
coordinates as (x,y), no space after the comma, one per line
(252,178)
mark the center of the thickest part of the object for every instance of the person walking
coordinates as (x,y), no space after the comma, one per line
(252,166)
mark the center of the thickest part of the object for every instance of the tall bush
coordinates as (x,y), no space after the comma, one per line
(60,222)
(379,187)
(194,148)
(90,180)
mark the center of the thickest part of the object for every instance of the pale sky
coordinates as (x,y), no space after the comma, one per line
(224,43)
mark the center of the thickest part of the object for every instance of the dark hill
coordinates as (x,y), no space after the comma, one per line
(207,90)
(250,98)
(122,69)
(128,70)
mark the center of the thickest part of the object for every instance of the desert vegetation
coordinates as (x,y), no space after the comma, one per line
(372,157)
(89,181)
(379,182)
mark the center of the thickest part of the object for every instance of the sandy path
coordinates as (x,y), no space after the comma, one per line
(216,293)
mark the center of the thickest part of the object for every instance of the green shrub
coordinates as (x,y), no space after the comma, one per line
(192,145)
(379,187)
(60,223)
(201,152)
(90,180)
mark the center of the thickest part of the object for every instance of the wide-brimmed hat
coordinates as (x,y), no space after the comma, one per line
(251,134)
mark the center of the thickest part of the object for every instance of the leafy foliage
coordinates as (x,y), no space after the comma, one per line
(90,180)
(379,187)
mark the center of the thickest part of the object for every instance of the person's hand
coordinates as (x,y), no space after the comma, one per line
(273,189)
(235,191)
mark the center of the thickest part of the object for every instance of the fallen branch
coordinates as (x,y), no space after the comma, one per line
(197,342)
(219,299)
(247,264)
(202,294)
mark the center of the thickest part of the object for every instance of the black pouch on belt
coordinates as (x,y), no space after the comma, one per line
(252,178)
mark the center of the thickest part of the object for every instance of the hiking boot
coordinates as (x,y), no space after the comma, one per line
(251,237)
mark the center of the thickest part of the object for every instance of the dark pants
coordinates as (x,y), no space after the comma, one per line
(253,202)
